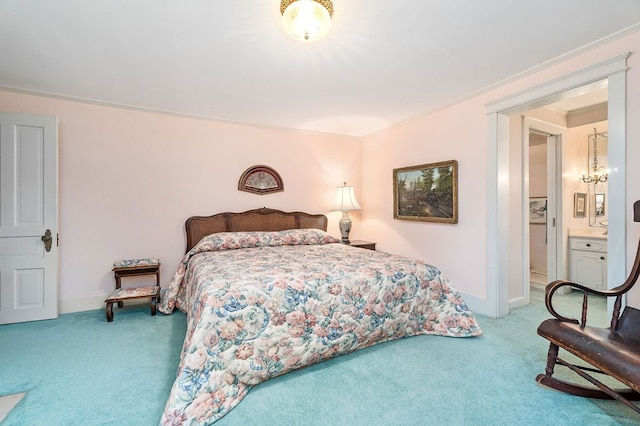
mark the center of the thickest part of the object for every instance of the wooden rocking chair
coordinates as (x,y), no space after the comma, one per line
(614,351)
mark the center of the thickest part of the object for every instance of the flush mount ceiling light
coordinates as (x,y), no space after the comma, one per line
(306,20)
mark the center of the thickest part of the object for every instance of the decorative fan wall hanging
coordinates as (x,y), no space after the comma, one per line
(260,180)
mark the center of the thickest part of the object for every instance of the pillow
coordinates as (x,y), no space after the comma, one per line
(236,240)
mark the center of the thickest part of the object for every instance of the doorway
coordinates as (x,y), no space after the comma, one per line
(543,239)
(556,157)
(538,209)
(506,216)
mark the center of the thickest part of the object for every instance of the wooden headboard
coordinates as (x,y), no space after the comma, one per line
(263,219)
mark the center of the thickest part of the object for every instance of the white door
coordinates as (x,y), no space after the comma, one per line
(28,217)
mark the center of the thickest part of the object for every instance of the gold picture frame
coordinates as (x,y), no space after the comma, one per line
(427,192)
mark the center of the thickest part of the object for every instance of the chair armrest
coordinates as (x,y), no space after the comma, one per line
(556,285)
(616,292)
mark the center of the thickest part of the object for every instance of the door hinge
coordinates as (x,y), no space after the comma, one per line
(553,222)
(57,239)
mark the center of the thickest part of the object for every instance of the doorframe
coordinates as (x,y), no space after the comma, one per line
(613,73)
(555,135)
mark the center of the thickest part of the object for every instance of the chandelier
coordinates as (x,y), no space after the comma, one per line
(306,20)
(597,173)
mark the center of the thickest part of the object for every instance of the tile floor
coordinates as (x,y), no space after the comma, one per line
(8,402)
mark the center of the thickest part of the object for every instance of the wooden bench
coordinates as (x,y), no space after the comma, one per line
(613,350)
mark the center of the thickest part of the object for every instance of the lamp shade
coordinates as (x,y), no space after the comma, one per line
(306,20)
(346,199)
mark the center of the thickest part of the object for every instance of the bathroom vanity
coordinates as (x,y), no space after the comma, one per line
(588,259)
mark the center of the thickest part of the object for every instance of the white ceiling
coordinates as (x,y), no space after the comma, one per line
(383,62)
(594,97)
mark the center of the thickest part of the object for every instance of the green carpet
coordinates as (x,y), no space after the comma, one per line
(81,370)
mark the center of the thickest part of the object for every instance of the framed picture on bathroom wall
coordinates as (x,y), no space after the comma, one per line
(538,210)
(579,204)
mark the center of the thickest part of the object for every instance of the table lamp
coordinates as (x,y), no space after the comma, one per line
(345,202)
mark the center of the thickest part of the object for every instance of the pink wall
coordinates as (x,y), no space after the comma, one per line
(129,179)
(457,133)
(460,132)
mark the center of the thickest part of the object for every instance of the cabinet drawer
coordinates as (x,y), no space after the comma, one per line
(589,244)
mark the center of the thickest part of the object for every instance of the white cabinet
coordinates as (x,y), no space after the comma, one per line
(588,260)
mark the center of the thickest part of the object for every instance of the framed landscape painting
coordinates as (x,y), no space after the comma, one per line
(427,192)
(538,210)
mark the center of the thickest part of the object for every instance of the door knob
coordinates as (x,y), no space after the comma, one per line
(47,239)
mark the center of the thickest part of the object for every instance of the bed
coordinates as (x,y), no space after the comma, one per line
(267,292)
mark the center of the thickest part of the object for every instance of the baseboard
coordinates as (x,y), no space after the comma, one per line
(478,305)
(69,306)
(517,302)
(82,304)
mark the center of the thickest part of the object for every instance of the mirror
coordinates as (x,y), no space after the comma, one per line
(599,205)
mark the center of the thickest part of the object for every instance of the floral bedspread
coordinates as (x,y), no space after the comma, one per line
(260,304)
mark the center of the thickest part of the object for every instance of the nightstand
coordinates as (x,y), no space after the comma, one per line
(130,268)
(363,244)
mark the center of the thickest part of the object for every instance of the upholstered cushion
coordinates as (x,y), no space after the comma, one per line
(132,263)
(133,292)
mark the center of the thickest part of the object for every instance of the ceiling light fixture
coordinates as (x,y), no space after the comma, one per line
(306,20)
